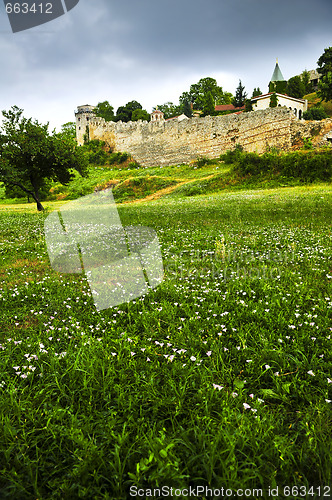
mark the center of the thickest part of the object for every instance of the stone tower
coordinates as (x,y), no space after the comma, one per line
(157,115)
(83,116)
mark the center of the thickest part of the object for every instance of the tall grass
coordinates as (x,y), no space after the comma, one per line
(220,377)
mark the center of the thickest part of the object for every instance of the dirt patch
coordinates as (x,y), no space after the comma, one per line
(168,190)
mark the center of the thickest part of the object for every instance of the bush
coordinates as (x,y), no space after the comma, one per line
(233,155)
(98,158)
(306,166)
(202,161)
(118,158)
(315,114)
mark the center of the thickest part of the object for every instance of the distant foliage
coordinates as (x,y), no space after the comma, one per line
(256,92)
(307,166)
(325,69)
(140,114)
(105,110)
(315,114)
(209,105)
(273,100)
(169,109)
(232,155)
(305,77)
(295,87)
(240,96)
(198,93)
(118,158)
(98,152)
(187,109)
(279,87)
(203,160)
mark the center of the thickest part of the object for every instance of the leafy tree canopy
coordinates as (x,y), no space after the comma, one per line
(198,93)
(105,110)
(295,87)
(124,113)
(325,69)
(187,109)
(209,106)
(256,92)
(315,114)
(140,114)
(30,156)
(305,77)
(273,100)
(169,109)
(69,129)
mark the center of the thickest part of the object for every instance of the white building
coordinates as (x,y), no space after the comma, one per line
(157,115)
(277,86)
(179,118)
(298,106)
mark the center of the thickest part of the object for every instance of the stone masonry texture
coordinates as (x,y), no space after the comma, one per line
(172,142)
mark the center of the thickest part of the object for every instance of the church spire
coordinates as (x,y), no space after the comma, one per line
(277,75)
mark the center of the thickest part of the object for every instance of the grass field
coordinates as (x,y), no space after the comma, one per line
(219,378)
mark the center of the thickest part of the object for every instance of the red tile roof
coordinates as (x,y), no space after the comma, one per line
(227,107)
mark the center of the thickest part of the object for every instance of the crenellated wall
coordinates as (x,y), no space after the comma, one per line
(172,142)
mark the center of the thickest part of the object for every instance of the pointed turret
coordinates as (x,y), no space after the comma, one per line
(278,82)
(277,75)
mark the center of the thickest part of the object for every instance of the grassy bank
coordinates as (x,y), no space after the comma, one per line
(220,377)
(232,171)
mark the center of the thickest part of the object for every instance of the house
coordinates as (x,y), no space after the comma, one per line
(277,86)
(298,106)
(179,118)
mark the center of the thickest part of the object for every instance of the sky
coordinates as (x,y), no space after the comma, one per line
(151,51)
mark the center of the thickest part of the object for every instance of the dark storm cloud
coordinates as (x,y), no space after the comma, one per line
(186,30)
(131,48)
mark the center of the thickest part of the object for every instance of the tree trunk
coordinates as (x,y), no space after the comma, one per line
(35,195)
(40,207)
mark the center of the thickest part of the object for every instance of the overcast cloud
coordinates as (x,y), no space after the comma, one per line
(153,50)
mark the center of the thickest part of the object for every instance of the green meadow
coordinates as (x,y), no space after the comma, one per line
(218,378)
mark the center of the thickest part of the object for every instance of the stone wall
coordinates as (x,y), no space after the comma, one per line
(172,142)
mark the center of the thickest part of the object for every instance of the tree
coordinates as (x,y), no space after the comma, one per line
(305,77)
(187,109)
(198,93)
(325,69)
(295,87)
(140,114)
(315,114)
(209,105)
(169,109)
(69,129)
(248,105)
(105,110)
(273,100)
(30,156)
(279,86)
(256,92)
(240,96)
(124,113)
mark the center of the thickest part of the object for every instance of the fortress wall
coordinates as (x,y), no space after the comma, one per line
(172,142)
